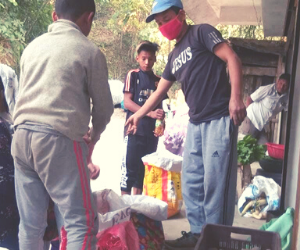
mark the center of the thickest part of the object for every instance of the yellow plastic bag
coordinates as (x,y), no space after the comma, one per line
(163,185)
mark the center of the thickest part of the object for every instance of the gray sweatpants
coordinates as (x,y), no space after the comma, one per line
(50,164)
(209,173)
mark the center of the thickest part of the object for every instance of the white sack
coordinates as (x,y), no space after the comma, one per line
(165,160)
(119,211)
(148,206)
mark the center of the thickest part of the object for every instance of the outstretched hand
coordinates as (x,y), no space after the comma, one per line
(237,111)
(132,124)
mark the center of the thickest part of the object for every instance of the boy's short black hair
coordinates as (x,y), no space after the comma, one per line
(2,88)
(73,9)
(147,46)
(175,9)
(286,77)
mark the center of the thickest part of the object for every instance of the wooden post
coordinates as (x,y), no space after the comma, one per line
(246,175)
(239,184)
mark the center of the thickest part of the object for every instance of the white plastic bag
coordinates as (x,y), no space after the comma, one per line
(259,186)
(116,89)
(176,129)
(165,160)
(151,207)
(118,210)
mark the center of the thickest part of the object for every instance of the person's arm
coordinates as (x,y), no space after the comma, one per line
(162,89)
(99,92)
(133,107)
(237,108)
(249,101)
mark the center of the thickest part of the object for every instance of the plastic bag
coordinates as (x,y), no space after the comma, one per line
(101,201)
(116,89)
(165,160)
(151,207)
(284,226)
(260,186)
(176,129)
(162,184)
(118,210)
(119,237)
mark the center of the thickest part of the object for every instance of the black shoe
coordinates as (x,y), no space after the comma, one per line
(188,241)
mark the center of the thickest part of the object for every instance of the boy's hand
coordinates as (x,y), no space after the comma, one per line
(87,137)
(157,114)
(94,171)
(132,124)
(237,111)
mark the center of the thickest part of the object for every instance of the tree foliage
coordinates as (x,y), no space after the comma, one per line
(245,31)
(20,22)
(119,27)
(241,31)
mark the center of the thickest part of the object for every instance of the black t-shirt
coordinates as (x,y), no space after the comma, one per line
(141,84)
(201,73)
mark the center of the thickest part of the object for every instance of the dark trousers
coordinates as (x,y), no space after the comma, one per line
(133,169)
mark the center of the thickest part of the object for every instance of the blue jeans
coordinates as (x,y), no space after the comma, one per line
(209,173)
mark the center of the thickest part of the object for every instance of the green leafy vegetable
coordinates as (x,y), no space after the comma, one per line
(249,150)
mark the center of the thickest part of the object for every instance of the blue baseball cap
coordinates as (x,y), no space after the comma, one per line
(162,5)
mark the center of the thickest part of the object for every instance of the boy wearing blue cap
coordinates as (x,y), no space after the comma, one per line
(199,62)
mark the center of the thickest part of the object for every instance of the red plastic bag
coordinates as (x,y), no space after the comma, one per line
(119,237)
